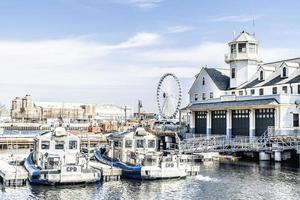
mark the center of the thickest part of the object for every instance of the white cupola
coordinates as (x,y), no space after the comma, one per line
(243,58)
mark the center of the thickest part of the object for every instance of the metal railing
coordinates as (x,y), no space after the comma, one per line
(269,141)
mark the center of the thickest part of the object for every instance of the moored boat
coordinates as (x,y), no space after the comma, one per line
(56,159)
(142,155)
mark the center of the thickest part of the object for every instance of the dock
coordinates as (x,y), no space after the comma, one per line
(12,175)
(108,173)
(26,141)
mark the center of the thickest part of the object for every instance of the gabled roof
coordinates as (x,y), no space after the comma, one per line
(296,79)
(294,60)
(221,80)
(231,104)
(274,81)
(244,37)
(252,83)
(266,68)
(290,64)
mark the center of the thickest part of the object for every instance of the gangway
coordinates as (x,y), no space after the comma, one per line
(271,140)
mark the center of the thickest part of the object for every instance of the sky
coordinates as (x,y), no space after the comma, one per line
(115,51)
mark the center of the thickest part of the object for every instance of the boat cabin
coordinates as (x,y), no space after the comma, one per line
(127,146)
(57,148)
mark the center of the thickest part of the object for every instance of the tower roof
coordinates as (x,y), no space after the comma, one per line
(244,37)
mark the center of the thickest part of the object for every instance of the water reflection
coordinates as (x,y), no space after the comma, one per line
(239,180)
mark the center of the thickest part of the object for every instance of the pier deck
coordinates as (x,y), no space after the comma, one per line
(108,173)
(26,142)
(12,175)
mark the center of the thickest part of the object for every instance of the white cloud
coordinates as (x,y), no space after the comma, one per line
(144,4)
(276,54)
(131,68)
(178,29)
(237,18)
(141,39)
(210,53)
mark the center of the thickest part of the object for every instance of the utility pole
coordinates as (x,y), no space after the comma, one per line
(140,105)
(125,114)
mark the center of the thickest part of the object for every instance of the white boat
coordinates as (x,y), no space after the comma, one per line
(56,159)
(162,167)
(141,155)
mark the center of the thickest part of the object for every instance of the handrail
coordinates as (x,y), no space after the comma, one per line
(267,141)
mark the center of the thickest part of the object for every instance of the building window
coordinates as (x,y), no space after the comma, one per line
(261,91)
(252,92)
(242,47)
(211,95)
(233,48)
(241,93)
(233,72)
(196,97)
(296,120)
(233,92)
(298,89)
(203,81)
(284,72)
(203,96)
(284,89)
(251,48)
(274,90)
(261,75)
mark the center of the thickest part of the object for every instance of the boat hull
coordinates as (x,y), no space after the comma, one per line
(142,173)
(55,177)
(152,173)
(131,172)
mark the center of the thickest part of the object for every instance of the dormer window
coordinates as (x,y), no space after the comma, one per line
(261,75)
(242,47)
(284,72)
(203,81)
(196,97)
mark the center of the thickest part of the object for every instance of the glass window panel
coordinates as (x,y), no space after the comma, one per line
(45,144)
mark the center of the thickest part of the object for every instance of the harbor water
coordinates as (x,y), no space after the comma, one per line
(224,180)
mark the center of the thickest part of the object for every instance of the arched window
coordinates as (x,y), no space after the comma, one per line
(284,72)
(203,81)
(261,75)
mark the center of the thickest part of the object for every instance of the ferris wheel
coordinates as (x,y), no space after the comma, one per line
(168,96)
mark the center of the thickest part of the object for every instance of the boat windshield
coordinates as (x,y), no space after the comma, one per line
(128,143)
(151,143)
(45,145)
(140,143)
(59,145)
(72,144)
